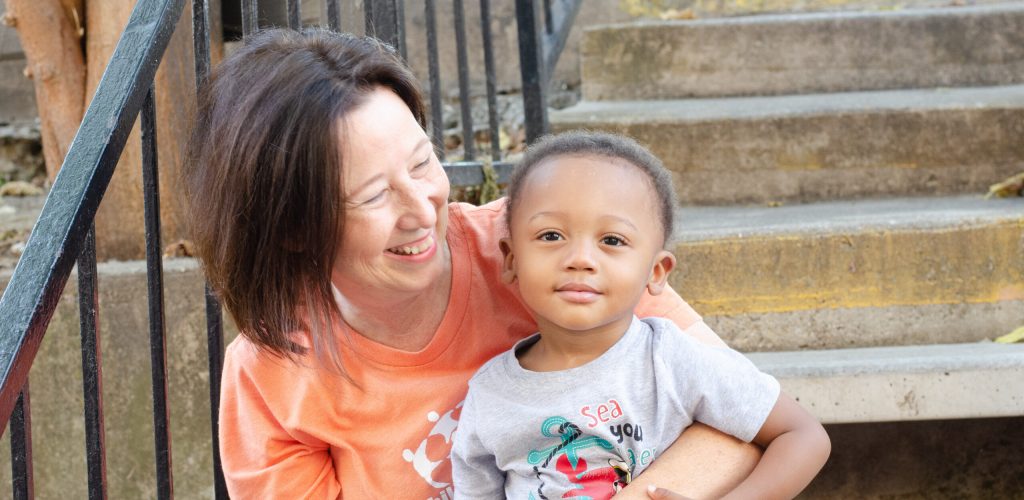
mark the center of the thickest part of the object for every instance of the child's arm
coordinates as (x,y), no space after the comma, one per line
(796,447)
(474,471)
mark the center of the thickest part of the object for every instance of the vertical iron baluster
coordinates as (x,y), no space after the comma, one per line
(215,358)
(201,39)
(492,93)
(383,22)
(21,447)
(549,20)
(333,15)
(295,14)
(154,281)
(400,28)
(214,330)
(436,100)
(92,368)
(468,147)
(250,17)
(531,68)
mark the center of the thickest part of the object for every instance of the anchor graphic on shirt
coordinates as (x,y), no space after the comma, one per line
(570,442)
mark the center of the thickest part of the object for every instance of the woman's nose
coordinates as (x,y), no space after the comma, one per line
(580,257)
(418,211)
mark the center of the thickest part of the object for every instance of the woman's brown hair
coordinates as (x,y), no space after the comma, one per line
(263,182)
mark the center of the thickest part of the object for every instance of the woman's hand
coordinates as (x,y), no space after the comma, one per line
(656,493)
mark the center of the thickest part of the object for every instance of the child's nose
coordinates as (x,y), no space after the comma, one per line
(580,257)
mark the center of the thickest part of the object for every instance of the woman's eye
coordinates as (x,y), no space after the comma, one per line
(422,165)
(613,241)
(377,197)
(550,236)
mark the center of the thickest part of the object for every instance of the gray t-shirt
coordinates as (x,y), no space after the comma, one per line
(590,429)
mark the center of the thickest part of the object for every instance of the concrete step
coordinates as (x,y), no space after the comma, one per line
(680,9)
(884,384)
(854,274)
(823,146)
(57,402)
(805,53)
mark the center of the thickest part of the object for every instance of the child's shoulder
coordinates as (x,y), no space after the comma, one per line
(665,333)
(491,372)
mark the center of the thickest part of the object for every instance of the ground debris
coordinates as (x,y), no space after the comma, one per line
(20,188)
(1014,186)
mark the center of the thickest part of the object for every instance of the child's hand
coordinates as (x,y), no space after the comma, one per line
(656,493)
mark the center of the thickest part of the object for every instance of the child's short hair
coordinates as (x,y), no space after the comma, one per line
(588,143)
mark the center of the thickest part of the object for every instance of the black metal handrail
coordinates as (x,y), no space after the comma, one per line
(64,231)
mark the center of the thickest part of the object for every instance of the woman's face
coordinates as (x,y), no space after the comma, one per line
(396,196)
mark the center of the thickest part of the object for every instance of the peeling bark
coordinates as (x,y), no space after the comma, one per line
(51,39)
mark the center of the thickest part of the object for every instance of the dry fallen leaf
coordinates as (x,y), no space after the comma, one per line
(1012,337)
(180,248)
(1010,187)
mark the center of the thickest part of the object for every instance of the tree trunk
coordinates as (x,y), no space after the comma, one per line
(120,228)
(51,38)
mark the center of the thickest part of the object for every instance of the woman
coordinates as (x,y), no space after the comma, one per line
(365,300)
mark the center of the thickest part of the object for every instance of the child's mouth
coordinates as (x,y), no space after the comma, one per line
(578,293)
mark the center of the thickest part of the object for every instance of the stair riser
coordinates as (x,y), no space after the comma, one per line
(799,54)
(839,328)
(827,290)
(804,157)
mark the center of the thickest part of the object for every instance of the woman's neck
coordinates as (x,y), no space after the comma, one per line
(407,322)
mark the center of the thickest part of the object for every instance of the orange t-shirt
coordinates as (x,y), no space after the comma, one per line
(288,430)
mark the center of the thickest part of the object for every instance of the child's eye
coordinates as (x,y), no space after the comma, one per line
(550,236)
(614,241)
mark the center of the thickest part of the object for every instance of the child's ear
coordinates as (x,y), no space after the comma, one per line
(664,263)
(508,264)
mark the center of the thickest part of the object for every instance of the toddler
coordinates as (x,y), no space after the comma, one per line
(587,404)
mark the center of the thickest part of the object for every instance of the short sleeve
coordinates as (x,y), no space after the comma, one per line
(261,459)
(475,473)
(723,388)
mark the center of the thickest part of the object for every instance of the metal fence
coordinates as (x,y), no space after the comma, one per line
(64,232)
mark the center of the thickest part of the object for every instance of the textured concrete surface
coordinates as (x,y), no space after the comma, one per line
(805,53)
(56,389)
(823,146)
(912,252)
(17,95)
(882,384)
(838,328)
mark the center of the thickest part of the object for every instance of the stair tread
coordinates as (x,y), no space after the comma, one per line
(703,223)
(710,109)
(892,359)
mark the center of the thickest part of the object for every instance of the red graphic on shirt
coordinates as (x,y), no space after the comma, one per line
(597,484)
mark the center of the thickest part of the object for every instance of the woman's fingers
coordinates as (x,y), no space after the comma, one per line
(656,493)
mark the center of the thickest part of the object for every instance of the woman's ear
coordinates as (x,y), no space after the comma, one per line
(664,263)
(508,264)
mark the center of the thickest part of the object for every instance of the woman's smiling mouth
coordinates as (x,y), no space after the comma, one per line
(415,249)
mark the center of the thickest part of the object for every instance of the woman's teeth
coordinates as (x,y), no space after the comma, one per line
(422,247)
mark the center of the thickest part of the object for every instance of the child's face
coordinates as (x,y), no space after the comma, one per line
(585,242)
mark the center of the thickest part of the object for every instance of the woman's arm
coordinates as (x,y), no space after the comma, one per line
(702,463)
(260,457)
